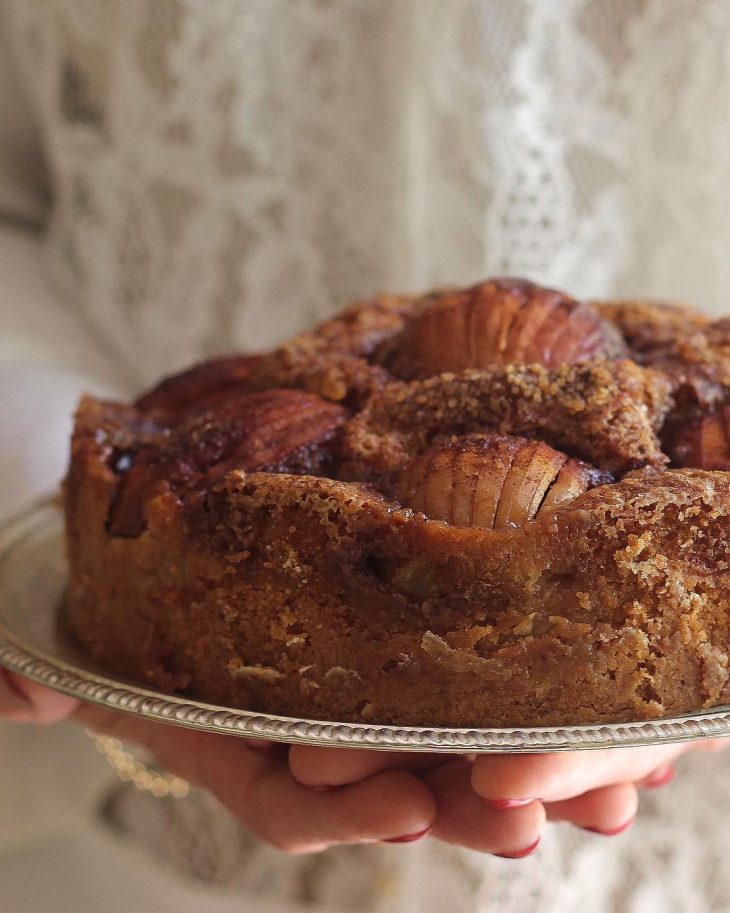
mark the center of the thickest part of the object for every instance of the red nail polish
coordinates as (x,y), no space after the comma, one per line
(521,853)
(660,777)
(409,838)
(504,804)
(610,832)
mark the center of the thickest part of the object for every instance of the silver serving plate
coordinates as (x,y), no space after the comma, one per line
(32,583)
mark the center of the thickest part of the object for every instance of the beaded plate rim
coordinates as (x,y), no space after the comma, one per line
(62,668)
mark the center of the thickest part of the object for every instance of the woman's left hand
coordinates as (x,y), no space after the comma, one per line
(594,790)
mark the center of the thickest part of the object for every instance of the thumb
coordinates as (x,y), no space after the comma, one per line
(23,701)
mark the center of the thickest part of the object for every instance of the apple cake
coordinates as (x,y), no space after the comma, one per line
(491,506)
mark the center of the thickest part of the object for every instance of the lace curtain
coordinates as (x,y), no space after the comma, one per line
(226,172)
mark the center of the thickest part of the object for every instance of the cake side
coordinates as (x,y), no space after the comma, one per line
(308,597)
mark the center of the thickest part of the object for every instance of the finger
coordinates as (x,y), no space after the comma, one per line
(463,819)
(196,756)
(259,789)
(393,806)
(661,776)
(710,745)
(608,811)
(511,780)
(323,767)
(665,773)
(23,701)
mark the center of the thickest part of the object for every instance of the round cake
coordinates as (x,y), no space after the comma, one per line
(492,506)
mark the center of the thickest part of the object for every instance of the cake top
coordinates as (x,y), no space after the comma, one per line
(485,406)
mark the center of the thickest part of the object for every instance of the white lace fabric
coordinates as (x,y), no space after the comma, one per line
(227,171)
(239,169)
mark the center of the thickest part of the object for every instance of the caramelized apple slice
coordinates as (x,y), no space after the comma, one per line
(570,483)
(706,444)
(202,384)
(504,321)
(459,482)
(492,481)
(534,468)
(269,431)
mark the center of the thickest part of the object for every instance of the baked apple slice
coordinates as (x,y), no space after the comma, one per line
(493,481)
(705,444)
(202,384)
(268,431)
(504,321)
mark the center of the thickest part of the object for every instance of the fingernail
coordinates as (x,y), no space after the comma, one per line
(660,777)
(410,838)
(504,804)
(15,686)
(316,787)
(612,831)
(521,853)
(262,746)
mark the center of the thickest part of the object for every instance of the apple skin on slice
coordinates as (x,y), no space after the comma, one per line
(503,321)
(201,385)
(706,443)
(492,481)
(264,431)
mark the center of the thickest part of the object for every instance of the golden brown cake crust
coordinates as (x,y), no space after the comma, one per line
(605,412)
(300,585)
(649,325)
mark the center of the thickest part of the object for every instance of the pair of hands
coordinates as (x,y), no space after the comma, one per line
(305,799)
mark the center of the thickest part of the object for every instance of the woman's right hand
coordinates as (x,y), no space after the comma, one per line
(22,701)
(250,777)
(305,799)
